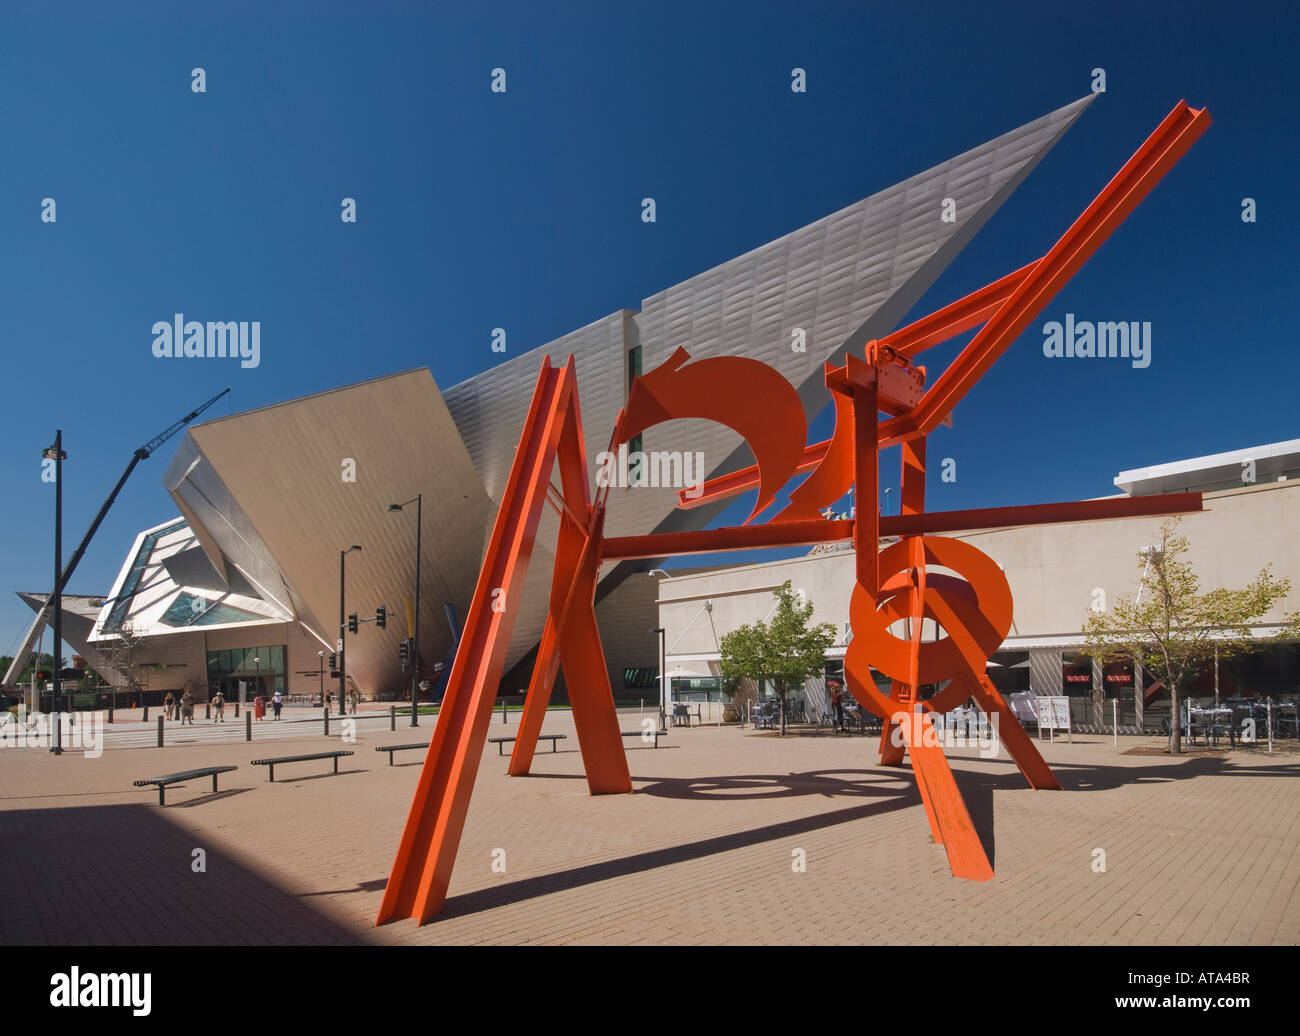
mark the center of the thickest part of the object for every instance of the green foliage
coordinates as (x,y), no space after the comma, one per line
(786,650)
(1173,628)
(44,662)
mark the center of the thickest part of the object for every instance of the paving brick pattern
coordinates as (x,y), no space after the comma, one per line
(1198,850)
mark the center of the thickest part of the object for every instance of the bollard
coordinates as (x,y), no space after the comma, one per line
(392,717)
(160,732)
(236,710)
(110,713)
(327,721)
(146,714)
(1114,720)
(207,710)
(248,726)
(504,718)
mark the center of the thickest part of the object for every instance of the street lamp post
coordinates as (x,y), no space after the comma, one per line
(343,664)
(36,666)
(663,663)
(415,638)
(320,661)
(56,454)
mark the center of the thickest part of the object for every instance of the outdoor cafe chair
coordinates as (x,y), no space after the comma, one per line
(1242,711)
(1221,725)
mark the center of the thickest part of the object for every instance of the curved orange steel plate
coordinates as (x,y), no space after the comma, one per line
(833,476)
(746,395)
(980,599)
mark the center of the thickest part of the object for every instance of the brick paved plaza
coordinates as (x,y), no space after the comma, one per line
(1199,850)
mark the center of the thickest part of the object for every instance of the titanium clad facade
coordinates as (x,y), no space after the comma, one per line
(267,497)
(314,476)
(845,279)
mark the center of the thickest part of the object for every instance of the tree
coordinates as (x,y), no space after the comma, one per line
(787,651)
(738,694)
(43,662)
(1172,628)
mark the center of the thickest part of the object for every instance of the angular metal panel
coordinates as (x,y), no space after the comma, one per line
(270,489)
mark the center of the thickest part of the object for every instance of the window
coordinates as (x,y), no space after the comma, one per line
(644,676)
(1076,674)
(633,372)
(132,582)
(189,610)
(260,666)
(633,366)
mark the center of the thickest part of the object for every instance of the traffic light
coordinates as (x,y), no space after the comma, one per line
(404,653)
(381,617)
(352,622)
(334,666)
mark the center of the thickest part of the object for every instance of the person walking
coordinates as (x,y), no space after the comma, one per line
(219,708)
(187,708)
(259,708)
(170,704)
(354,698)
(277,702)
(837,703)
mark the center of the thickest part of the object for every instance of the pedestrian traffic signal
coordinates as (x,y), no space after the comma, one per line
(352,622)
(404,653)
(381,617)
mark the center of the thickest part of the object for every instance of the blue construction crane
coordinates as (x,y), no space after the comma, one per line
(142,453)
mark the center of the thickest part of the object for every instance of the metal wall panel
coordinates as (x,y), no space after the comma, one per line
(266,487)
(844,279)
(284,466)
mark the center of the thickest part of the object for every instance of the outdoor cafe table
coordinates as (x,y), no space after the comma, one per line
(1211,720)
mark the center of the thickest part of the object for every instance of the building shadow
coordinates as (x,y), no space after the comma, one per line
(125,875)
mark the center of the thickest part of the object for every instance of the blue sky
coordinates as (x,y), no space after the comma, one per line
(479,210)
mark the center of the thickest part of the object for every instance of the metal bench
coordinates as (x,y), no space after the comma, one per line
(390,749)
(273,763)
(641,733)
(500,742)
(184,775)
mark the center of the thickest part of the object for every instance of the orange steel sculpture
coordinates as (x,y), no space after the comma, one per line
(969,599)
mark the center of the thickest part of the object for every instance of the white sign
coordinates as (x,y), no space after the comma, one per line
(338,644)
(1054,712)
(1054,715)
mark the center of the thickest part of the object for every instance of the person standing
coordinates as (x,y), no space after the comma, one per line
(259,708)
(187,708)
(837,703)
(277,702)
(170,704)
(354,698)
(219,707)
